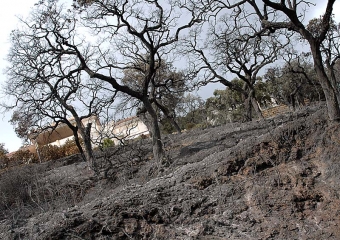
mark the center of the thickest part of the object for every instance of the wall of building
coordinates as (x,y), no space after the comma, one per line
(125,129)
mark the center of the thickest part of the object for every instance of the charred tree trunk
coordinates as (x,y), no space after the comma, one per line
(155,132)
(247,103)
(333,81)
(88,151)
(175,124)
(80,148)
(166,112)
(328,89)
(250,104)
(256,107)
(248,109)
(293,96)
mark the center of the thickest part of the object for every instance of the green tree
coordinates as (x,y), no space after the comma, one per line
(191,111)
(22,124)
(290,15)
(293,83)
(330,49)
(228,105)
(3,150)
(234,45)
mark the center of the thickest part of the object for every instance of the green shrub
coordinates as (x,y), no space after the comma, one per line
(167,127)
(107,143)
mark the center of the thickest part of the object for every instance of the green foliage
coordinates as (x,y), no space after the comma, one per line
(189,125)
(4,161)
(166,126)
(107,143)
(293,83)
(202,125)
(262,94)
(23,123)
(225,105)
(228,105)
(190,110)
(194,117)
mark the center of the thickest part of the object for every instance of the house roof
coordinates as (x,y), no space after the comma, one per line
(120,122)
(60,132)
(52,135)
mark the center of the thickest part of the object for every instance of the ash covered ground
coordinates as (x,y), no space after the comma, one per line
(276,178)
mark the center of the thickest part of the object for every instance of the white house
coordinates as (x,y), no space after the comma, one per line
(62,133)
(125,129)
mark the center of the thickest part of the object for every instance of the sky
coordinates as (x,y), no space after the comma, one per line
(9,21)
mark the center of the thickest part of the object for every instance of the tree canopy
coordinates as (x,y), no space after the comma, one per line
(78,62)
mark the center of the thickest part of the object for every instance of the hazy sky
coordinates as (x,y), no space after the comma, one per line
(9,21)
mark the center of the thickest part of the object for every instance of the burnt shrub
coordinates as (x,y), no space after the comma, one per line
(26,190)
(14,188)
(51,152)
(70,148)
(23,157)
(4,160)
